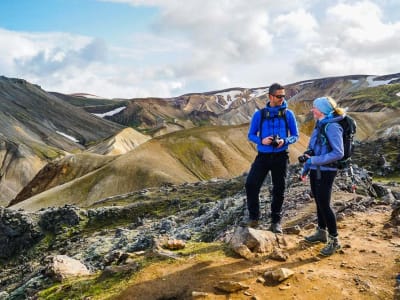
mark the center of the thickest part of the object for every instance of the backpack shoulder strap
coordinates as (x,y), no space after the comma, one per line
(322,132)
(265,115)
(262,118)
(284,116)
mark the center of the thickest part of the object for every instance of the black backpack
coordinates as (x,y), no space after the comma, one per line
(349,126)
(265,115)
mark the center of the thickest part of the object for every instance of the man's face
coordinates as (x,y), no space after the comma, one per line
(277,98)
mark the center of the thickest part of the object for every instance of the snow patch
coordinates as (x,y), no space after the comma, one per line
(373,83)
(259,92)
(112,112)
(398,94)
(68,136)
(229,97)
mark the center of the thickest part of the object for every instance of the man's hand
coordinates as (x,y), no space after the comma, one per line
(267,140)
(281,142)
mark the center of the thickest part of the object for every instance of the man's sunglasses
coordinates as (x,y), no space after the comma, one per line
(279,96)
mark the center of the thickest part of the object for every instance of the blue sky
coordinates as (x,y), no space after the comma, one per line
(106,20)
(144,48)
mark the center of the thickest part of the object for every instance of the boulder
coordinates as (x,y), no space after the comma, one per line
(247,242)
(61,267)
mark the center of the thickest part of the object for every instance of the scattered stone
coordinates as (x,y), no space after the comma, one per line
(197,295)
(174,245)
(285,287)
(231,286)
(246,293)
(260,280)
(279,255)
(279,274)
(362,284)
(292,230)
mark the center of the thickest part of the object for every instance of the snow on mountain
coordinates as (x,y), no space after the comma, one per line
(225,99)
(258,92)
(68,136)
(373,83)
(111,112)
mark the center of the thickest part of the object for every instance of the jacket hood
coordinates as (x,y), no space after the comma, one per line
(273,111)
(330,119)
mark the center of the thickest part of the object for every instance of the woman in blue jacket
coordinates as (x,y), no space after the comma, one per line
(324,149)
(272,129)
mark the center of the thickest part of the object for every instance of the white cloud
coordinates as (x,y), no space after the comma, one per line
(353,39)
(202,45)
(297,25)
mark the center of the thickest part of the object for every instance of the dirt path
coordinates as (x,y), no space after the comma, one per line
(365,268)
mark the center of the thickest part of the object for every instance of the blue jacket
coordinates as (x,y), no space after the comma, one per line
(326,152)
(273,125)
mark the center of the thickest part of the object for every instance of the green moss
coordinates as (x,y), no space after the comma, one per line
(86,287)
(384,94)
(46,152)
(103,285)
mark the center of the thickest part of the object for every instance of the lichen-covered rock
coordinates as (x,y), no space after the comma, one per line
(54,219)
(17,232)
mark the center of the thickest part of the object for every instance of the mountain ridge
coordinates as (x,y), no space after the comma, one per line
(158,118)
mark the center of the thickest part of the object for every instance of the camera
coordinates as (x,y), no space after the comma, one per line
(275,140)
(303,158)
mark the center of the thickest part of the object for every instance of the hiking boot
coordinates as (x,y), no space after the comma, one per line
(331,246)
(319,236)
(249,223)
(276,228)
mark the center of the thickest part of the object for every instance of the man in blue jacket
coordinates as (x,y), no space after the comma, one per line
(272,129)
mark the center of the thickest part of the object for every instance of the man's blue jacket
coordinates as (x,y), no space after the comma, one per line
(274,124)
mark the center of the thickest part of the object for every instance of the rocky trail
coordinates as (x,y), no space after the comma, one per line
(178,242)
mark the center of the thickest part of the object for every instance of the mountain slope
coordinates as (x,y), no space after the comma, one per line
(37,127)
(50,119)
(124,141)
(200,153)
(184,156)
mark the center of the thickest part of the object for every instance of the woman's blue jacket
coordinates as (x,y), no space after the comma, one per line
(326,151)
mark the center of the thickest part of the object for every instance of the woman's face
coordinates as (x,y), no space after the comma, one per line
(317,113)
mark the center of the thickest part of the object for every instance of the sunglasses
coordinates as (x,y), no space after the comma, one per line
(279,96)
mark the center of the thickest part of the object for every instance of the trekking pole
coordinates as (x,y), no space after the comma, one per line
(353,179)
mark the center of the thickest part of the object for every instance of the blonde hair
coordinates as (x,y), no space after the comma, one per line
(338,110)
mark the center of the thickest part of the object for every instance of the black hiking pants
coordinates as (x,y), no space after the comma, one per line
(277,163)
(322,190)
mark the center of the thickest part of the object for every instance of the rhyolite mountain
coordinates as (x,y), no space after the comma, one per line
(37,127)
(196,137)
